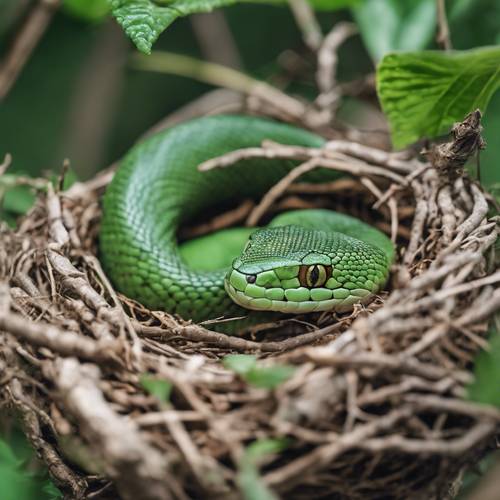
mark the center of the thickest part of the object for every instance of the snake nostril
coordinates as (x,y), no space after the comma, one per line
(251,278)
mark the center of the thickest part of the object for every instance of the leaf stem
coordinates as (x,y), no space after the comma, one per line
(218,75)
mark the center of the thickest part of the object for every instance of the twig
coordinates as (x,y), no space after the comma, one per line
(325,454)
(24,43)
(450,157)
(216,74)
(443,34)
(307,22)
(64,343)
(224,220)
(332,161)
(327,65)
(278,189)
(130,460)
(6,163)
(198,334)
(391,203)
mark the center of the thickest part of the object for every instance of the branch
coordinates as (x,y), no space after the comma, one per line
(24,43)
(140,471)
(307,22)
(443,34)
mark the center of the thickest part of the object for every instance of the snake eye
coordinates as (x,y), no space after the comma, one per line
(251,278)
(313,276)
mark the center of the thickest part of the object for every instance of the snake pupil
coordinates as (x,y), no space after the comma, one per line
(314,275)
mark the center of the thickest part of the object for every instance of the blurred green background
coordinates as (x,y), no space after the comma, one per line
(78,98)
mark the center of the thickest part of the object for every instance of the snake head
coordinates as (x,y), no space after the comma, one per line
(292,269)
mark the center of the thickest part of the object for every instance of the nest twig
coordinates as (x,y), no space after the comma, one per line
(374,410)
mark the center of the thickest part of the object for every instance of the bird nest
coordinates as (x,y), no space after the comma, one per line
(120,400)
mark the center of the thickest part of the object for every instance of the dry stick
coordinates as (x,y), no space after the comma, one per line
(272,150)
(479,213)
(277,190)
(204,467)
(76,281)
(438,403)
(448,447)
(417,227)
(323,356)
(6,163)
(338,186)
(160,417)
(63,476)
(136,342)
(393,161)
(443,34)
(482,311)
(307,22)
(391,203)
(222,221)
(216,74)
(198,334)
(24,43)
(394,188)
(327,65)
(58,233)
(449,220)
(407,385)
(128,458)
(63,342)
(430,339)
(326,454)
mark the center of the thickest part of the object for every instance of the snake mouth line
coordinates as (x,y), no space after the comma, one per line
(295,307)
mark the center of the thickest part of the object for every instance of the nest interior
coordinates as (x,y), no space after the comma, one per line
(374,405)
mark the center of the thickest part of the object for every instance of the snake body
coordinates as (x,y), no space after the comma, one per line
(304,261)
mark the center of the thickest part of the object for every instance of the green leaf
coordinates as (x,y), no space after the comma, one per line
(269,377)
(17,481)
(240,363)
(259,376)
(263,447)
(51,491)
(486,385)
(424,93)
(388,25)
(18,200)
(7,456)
(158,388)
(249,480)
(143,20)
(87,10)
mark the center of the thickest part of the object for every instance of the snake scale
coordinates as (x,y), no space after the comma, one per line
(303,261)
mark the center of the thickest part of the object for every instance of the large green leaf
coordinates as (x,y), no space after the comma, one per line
(144,20)
(388,25)
(424,93)
(486,385)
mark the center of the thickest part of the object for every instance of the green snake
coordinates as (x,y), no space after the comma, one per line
(303,261)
